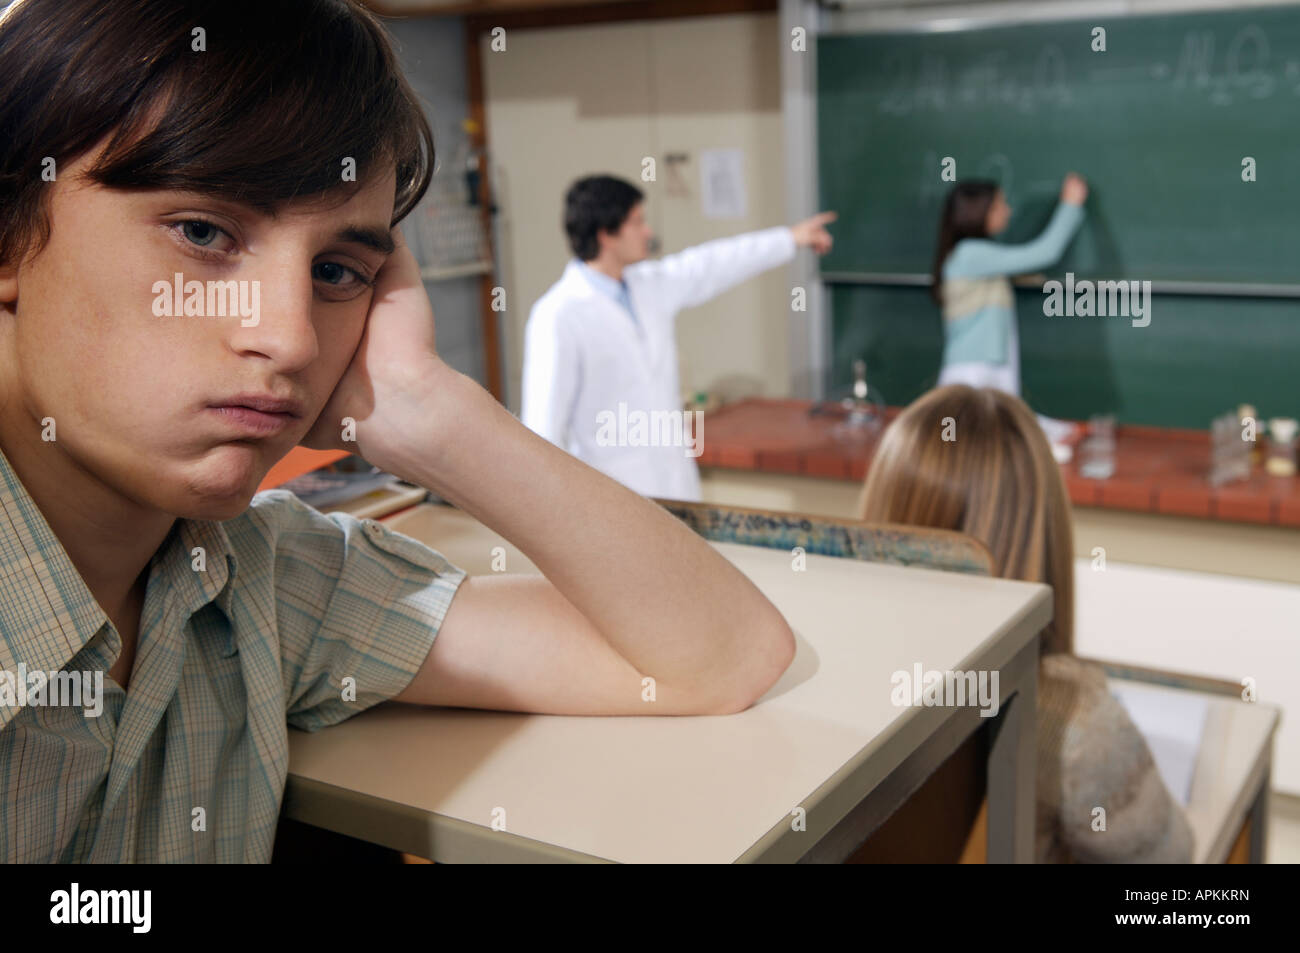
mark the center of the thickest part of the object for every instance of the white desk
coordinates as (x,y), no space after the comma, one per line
(1230,778)
(826,738)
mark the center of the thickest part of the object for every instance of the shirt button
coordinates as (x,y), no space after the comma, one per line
(374,529)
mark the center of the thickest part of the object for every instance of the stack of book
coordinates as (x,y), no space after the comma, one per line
(352,485)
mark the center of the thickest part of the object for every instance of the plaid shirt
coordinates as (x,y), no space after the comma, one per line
(289,603)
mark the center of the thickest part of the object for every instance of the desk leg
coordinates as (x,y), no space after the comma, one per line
(1011,767)
(1259,818)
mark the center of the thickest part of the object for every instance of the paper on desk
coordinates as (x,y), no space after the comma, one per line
(1172,724)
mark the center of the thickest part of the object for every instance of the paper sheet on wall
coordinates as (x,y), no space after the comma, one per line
(1172,724)
(722,183)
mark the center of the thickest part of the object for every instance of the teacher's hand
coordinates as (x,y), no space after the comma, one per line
(811,232)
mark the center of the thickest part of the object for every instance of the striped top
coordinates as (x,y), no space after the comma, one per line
(979,307)
(249,626)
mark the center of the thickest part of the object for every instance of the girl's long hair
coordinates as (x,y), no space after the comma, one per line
(965,215)
(994,479)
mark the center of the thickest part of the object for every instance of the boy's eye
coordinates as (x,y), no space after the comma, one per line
(341,278)
(200,232)
(331,272)
(202,236)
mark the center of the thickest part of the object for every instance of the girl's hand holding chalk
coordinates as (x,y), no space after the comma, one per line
(1074,190)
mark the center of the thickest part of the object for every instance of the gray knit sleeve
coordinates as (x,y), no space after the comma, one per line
(1113,806)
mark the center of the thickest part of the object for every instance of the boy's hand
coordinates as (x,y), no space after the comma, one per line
(392,368)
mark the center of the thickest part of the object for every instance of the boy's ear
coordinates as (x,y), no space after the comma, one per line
(8,284)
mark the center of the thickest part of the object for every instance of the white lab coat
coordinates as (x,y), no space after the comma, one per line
(584,354)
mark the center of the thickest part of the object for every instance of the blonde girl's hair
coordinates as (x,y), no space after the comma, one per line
(975,460)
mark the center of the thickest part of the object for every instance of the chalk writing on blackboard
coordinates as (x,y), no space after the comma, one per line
(1243,68)
(928,82)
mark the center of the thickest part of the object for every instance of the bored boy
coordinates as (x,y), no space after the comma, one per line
(212,140)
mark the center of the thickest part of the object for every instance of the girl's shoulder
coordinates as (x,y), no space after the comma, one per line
(1071,686)
(1080,715)
(1062,667)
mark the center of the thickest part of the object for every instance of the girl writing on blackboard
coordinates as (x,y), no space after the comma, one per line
(971,284)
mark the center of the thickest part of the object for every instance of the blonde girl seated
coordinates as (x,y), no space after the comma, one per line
(997,481)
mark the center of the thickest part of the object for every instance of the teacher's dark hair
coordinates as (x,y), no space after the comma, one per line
(260,103)
(594,204)
(965,215)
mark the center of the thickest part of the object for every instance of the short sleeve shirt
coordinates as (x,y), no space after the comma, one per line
(282,616)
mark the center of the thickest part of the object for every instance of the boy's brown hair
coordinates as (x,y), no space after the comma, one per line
(279,96)
(996,480)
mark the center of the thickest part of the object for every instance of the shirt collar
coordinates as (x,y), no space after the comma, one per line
(200,564)
(603,282)
(48,614)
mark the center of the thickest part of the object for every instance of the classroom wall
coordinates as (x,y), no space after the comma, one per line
(566,102)
(432,53)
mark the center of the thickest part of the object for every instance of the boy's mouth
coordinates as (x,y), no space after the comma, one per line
(257,414)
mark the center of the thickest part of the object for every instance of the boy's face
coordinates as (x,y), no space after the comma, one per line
(132,393)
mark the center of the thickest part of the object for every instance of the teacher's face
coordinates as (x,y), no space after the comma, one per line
(631,243)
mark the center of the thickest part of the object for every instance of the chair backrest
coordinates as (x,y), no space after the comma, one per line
(1170,679)
(827,536)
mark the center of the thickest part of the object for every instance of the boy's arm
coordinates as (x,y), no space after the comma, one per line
(630,592)
(513,643)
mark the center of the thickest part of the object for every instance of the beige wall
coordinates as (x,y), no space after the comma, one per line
(576,100)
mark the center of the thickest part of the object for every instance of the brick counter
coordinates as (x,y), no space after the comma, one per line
(1157,470)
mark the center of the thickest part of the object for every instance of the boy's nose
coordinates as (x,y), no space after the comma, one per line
(285,332)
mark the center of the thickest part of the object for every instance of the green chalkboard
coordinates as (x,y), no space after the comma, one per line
(1198,358)
(1159,123)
